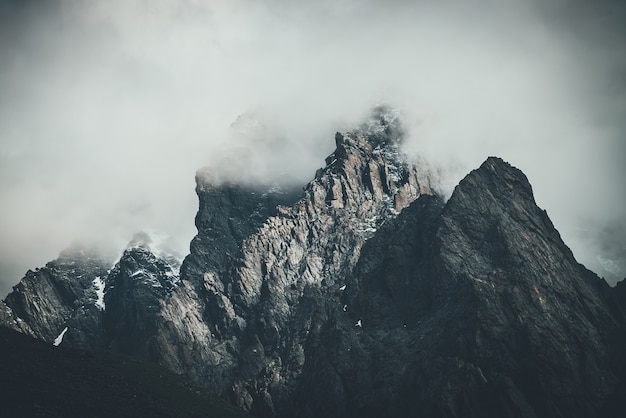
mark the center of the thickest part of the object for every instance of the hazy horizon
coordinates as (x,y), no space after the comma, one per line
(108,108)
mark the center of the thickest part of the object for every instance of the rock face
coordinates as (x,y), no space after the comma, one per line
(136,288)
(67,292)
(251,289)
(470,308)
(363,294)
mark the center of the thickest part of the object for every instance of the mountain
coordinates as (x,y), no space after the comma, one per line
(474,307)
(364,294)
(67,292)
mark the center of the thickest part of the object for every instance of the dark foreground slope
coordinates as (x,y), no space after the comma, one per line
(42,380)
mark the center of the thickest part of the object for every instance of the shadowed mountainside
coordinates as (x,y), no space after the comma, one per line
(43,380)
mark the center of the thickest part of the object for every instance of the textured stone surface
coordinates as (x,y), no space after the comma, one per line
(478,311)
(252,295)
(136,288)
(61,294)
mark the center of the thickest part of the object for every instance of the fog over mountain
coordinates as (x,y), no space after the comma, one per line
(107,109)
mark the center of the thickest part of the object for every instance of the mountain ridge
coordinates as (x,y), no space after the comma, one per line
(362,294)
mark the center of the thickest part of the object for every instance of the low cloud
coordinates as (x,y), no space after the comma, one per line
(109,108)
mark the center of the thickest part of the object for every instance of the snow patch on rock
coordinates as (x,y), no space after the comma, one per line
(58,340)
(99,284)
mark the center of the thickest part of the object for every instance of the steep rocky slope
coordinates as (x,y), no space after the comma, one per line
(67,292)
(362,294)
(135,290)
(254,348)
(472,308)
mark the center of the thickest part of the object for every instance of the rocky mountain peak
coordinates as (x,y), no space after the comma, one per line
(136,288)
(259,252)
(368,174)
(64,293)
(477,307)
(495,177)
(493,211)
(383,127)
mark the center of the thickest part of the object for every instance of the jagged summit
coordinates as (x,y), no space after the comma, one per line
(159,245)
(383,127)
(381,132)
(490,207)
(254,258)
(497,176)
(63,293)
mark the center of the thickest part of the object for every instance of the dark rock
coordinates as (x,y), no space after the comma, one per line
(41,380)
(137,287)
(228,214)
(473,309)
(62,294)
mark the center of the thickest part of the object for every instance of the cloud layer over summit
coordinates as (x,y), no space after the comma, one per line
(107,108)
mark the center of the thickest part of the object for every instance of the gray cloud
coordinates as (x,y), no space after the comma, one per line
(109,108)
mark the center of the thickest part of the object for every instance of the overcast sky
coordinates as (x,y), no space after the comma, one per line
(107,108)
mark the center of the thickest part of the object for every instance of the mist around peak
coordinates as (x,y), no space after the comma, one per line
(384,126)
(109,108)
